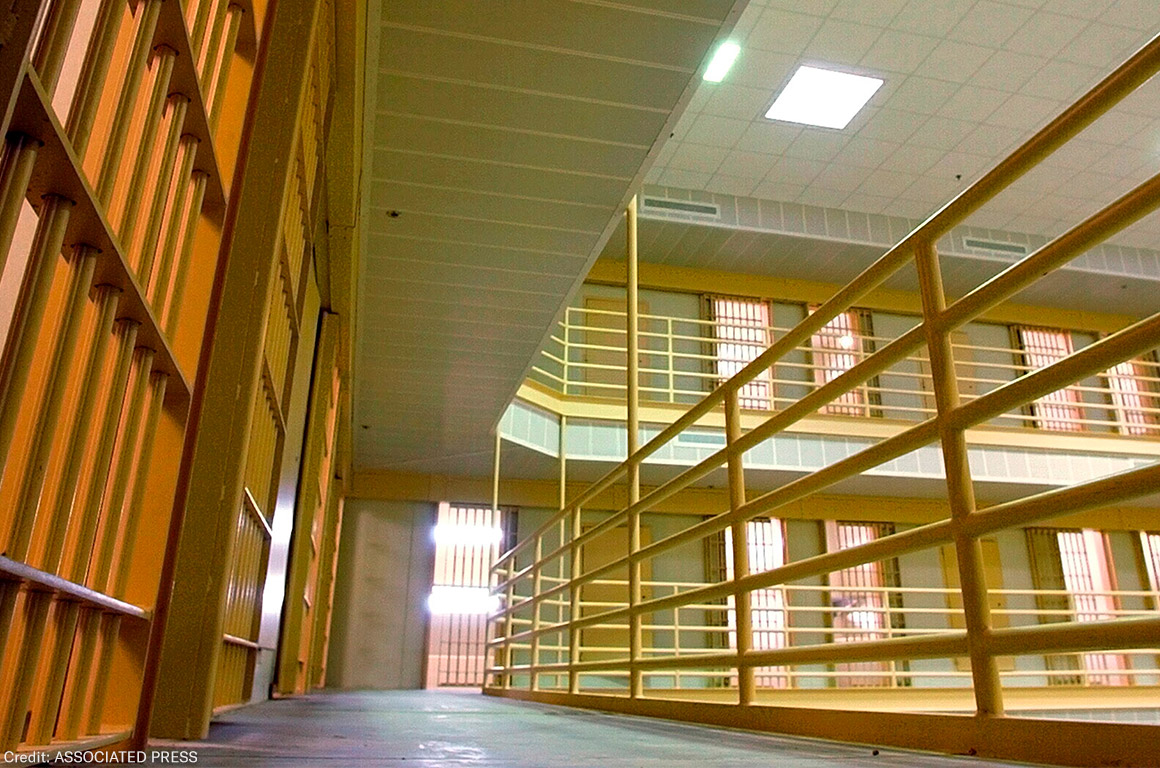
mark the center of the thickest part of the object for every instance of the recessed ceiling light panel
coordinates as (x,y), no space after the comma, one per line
(722,60)
(823,97)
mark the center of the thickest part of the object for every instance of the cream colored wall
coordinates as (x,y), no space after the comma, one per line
(385,567)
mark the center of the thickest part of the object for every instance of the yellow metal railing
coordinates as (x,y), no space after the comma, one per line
(559,545)
(682,360)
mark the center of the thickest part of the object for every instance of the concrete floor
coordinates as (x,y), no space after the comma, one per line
(426,728)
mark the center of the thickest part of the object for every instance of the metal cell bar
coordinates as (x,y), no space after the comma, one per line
(91,82)
(177,105)
(19,159)
(114,149)
(163,61)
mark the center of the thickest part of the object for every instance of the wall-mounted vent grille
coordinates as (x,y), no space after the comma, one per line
(700,210)
(995,246)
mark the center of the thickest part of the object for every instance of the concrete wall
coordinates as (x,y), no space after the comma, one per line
(385,567)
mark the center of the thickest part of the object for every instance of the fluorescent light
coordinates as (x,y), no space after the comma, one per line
(459,600)
(467,535)
(722,60)
(822,97)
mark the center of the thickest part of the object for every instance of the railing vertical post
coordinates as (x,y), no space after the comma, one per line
(635,636)
(534,677)
(574,604)
(746,676)
(960,490)
(669,343)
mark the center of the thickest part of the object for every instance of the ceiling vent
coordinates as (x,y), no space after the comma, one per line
(995,246)
(664,205)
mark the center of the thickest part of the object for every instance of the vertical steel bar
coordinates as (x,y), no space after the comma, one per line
(158,289)
(140,484)
(178,104)
(26,323)
(110,420)
(122,117)
(192,216)
(742,600)
(110,628)
(36,607)
(635,634)
(84,261)
(223,76)
(127,449)
(960,489)
(197,28)
(91,83)
(163,58)
(209,57)
(48,706)
(54,40)
(19,158)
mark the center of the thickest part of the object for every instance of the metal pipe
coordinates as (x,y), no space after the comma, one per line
(54,40)
(36,610)
(43,438)
(163,58)
(140,484)
(212,52)
(960,489)
(91,81)
(110,628)
(222,79)
(48,707)
(122,116)
(192,216)
(158,289)
(178,104)
(127,449)
(573,604)
(746,679)
(25,328)
(19,159)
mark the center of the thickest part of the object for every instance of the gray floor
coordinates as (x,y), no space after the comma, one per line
(420,728)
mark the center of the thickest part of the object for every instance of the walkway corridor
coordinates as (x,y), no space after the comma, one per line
(418,729)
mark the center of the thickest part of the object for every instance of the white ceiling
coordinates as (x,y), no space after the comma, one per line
(507,136)
(965,83)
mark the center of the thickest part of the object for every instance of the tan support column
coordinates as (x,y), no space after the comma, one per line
(960,490)
(20,20)
(185,642)
(636,635)
(746,678)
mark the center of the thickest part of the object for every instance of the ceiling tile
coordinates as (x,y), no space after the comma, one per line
(792,170)
(865,152)
(1045,34)
(738,101)
(921,94)
(713,130)
(841,43)
(972,103)
(955,61)
(990,24)
(1008,71)
(781,31)
(731,185)
(1103,45)
(925,17)
(697,157)
(1027,113)
(768,136)
(750,165)
(817,144)
(678,177)
(876,12)
(899,52)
